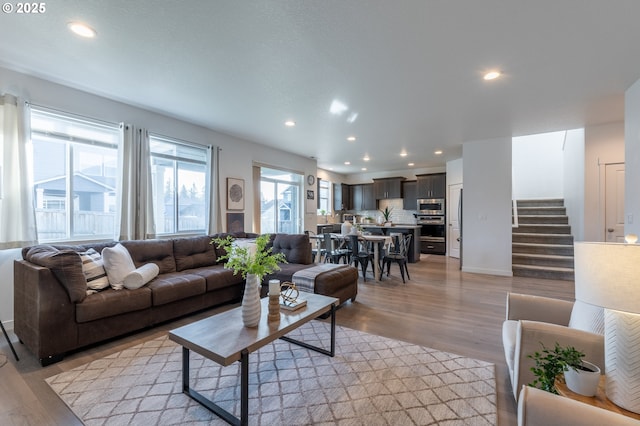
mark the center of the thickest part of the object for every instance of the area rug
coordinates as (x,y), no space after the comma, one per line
(372,380)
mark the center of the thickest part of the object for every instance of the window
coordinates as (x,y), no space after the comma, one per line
(179,175)
(74,167)
(280,201)
(324,196)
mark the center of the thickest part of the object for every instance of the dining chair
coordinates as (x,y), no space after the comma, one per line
(398,253)
(317,251)
(332,254)
(361,254)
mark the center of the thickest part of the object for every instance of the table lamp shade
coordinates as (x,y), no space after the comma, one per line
(607,275)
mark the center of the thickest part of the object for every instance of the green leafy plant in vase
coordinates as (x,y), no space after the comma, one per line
(550,363)
(386,214)
(253,260)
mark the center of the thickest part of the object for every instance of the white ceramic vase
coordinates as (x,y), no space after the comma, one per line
(251,307)
(581,381)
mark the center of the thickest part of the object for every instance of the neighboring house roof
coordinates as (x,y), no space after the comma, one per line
(81,183)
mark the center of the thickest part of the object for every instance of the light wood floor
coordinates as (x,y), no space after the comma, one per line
(440,307)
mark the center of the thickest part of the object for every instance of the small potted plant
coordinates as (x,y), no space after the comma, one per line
(323,213)
(386,214)
(550,363)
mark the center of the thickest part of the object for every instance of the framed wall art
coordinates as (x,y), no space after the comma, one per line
(235,194)
(235,222)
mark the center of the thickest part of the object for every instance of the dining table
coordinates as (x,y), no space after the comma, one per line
(380,242)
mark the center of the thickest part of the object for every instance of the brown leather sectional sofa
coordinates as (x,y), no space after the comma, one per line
(54,315)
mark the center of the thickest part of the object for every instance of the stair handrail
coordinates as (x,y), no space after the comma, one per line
(514,221)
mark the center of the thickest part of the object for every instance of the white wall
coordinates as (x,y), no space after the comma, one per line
(632,159)
(573,161)
(455,171)
(236,159)
(604,144)
(487,207)
(537,166)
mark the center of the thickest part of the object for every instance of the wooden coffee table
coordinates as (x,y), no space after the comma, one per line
(222,338)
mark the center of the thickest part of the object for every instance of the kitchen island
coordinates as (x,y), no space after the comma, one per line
(414,250)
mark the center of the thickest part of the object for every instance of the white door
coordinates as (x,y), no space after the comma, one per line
(614,203)
(453,234)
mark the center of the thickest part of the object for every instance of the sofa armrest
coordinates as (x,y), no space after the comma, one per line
(44,317)
(531,335)
(538,308)
(539,408)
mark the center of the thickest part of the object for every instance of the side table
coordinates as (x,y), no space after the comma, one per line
(599,400)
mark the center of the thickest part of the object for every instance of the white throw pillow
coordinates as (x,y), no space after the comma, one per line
(139,277)
(93,270)
(118,263)
(587,317)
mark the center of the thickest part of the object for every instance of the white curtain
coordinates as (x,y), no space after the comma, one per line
(17,214)
(135,207)
(214,213)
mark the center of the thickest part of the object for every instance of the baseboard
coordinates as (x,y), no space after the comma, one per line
(501,272)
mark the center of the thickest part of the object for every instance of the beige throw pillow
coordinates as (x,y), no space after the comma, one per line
(118,264)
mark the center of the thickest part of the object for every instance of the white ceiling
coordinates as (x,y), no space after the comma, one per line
(411,69)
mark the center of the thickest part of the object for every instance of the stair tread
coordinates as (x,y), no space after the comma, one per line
(542,268)
(544,256)
(538,234)
(546,216)
(542,244)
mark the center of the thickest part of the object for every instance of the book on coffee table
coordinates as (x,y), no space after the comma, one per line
(292,306)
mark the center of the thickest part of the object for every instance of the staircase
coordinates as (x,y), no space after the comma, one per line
(542,243)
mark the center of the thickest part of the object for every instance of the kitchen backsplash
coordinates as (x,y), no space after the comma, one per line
(398,214)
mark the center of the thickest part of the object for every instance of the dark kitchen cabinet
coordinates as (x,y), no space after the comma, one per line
(341,196)
(409,195)
(387,188)
(432,185)
(362,197)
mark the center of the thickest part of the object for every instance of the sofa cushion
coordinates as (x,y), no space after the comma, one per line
(167,288)
(118,263)
(140,276)
(111,302)
(295,247)
(217,277)
(93,269)
(587,317)
(65,265)
(193,252)
(159,252)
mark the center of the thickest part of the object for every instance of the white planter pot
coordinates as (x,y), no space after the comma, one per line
(251,308)
(581,381)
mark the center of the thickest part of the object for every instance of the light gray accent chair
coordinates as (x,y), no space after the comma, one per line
(534,320)
(540,408)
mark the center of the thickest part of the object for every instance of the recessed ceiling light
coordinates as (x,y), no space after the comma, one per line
(351,138)
(438,152)
(346,163)
(83,30)
(411,164)
(403,154)
(364,169)
(492,75)
(365,158)
(290,123)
